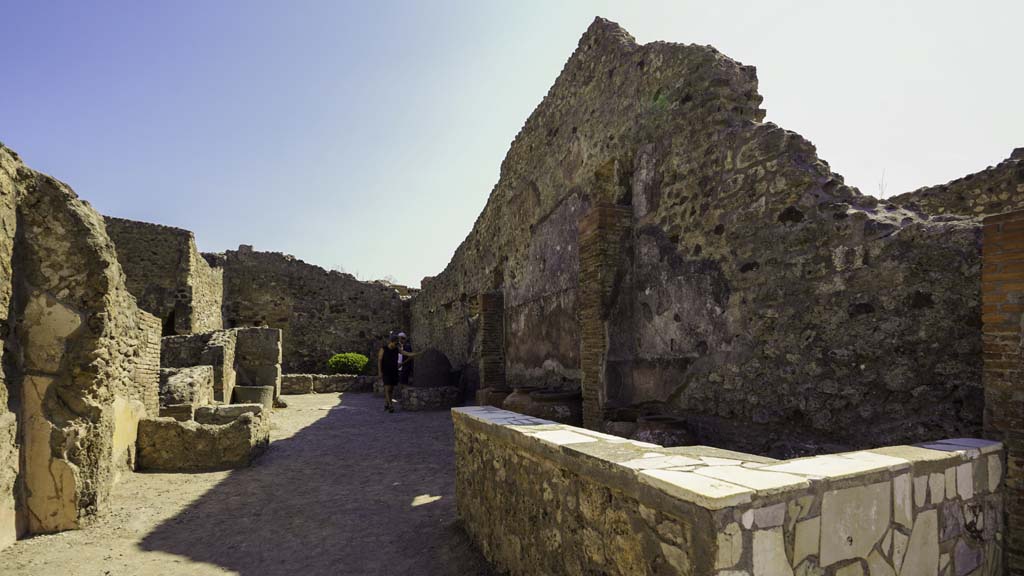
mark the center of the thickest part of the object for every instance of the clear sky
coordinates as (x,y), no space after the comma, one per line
(367,135)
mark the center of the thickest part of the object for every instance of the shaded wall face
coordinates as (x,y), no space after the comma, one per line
(775,306)
(320,313)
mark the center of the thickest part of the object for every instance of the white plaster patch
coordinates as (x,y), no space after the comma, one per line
(562,437)
(766,482)
(827,466)
(707,492)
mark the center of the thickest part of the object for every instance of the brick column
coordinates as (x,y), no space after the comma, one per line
(492,340)
(601,235)
(1002,299)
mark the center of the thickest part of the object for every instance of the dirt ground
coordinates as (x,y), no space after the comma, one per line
(344,489)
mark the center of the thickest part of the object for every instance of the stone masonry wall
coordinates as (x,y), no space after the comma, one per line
(545,498)
(1002,294)
(774,306)
(320,313)
(216,349)
(79,364)
(994,190)
(168,276)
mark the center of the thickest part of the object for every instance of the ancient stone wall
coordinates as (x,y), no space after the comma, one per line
(777,308)
(168,276)
(994,190)
(80,367)
(545,498)
(216,349)
(320,313)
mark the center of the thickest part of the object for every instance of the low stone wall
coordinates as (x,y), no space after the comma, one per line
(435,398)
(215,349)
(325,383)
(545,498)
(216,440)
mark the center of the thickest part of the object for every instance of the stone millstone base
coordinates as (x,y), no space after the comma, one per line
(441,397)
(263,395)
(167,445)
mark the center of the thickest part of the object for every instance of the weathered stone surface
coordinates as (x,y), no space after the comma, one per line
(167,275)
(296,384)
(806,541)
(226,414)
(417,398)
(320,313)
(770,553)
(180,412)
(81,360)
(216,349)
(854,520)
(258,358)
(167,445)
(747,260)
(903,500)
(879,566)
(263,395)
(730,546)
(192,385)
(995,190)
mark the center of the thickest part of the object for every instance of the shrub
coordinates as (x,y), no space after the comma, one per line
(348,363)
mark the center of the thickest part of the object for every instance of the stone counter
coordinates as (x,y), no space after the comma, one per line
(544,498)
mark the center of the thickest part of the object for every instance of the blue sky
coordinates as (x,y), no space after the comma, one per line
(367,135)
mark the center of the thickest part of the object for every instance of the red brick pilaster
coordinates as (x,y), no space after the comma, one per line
(601,235)
(1002,311)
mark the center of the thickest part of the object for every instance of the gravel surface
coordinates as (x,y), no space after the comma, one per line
(344,489)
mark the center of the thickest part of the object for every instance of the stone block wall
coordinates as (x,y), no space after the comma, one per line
(169,445)
(80,357)
(320,313)
(758,295)
(994,190)
(492,341)
(258,357)
(544,498)
(1002,297)
(216,349)
(168,276)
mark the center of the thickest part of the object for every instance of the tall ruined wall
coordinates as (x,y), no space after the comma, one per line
(320,313)
(80,360)
(168,276)
(12,517)
(760,295)
(994,190)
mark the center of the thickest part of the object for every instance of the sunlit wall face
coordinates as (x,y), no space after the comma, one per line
(316,128)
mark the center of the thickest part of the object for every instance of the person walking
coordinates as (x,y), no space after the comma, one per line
(387,370)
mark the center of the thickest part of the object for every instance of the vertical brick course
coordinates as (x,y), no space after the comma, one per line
(492,340)
(601,235)
(1002,299)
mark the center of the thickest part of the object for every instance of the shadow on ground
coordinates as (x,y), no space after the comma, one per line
(335,498)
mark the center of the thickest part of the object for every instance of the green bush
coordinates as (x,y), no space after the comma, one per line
(348,363)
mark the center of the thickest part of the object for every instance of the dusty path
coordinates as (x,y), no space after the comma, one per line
(344,489)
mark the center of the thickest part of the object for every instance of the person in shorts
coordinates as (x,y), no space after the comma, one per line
(387,370)
(405,361)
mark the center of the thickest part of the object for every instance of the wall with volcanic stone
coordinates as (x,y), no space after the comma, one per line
(168,276)
(320,313)
(779,309)
(80,358)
